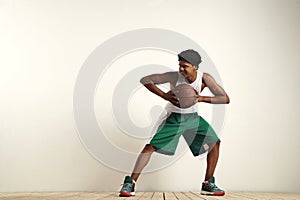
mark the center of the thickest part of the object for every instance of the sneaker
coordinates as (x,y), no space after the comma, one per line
(127,189)
(209,188)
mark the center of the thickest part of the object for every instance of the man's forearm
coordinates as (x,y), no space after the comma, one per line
(214,99)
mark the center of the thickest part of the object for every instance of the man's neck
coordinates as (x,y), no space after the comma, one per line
(191,78)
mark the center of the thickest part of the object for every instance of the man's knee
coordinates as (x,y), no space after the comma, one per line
(148,149)
(214,145)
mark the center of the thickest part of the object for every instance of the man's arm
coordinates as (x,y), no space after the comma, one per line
(151,81)
(220,96)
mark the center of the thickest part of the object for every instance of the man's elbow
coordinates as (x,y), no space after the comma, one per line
(227,99)
(145,80)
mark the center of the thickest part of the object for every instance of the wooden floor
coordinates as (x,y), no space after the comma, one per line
(145,196)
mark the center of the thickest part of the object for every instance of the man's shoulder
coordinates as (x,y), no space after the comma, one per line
(206,75)
(172,73)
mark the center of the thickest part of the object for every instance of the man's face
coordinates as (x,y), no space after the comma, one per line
(186,69)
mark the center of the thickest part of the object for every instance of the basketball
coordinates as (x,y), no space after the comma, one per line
(186,95)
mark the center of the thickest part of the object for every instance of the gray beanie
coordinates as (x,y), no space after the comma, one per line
(190,56)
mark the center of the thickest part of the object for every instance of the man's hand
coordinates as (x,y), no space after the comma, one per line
(171,97)
(198,97)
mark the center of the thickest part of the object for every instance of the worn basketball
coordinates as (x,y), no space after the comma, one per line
(186,94)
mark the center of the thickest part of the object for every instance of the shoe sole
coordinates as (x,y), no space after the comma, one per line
(126,194)
(212,193)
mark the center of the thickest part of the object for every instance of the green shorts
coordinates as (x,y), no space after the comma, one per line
(195,130)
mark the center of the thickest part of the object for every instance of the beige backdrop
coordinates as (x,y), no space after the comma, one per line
(254,45)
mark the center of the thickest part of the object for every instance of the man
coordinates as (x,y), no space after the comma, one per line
(198,134)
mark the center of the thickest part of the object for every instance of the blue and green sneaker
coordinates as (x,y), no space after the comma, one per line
(127,189)
(209,188)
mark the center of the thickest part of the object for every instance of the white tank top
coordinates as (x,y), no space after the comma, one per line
(196,84)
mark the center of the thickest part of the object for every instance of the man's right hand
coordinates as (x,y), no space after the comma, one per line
(171,97)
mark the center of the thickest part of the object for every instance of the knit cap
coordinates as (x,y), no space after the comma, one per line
(191,56)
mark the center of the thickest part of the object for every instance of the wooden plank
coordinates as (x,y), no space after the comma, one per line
(251,195)
(158,196)
(188,196)
(268,195)
(290,196)
(169,196)
(80,195)
(181,196)
(103,195)
(197,195)
(261,195)
(148,195)
(235,196)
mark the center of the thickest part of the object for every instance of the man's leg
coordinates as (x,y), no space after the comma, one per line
(142,161)
(212,160)
(166,135)
(208,186)
(127,189)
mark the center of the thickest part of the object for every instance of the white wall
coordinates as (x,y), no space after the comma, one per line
(254,45)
